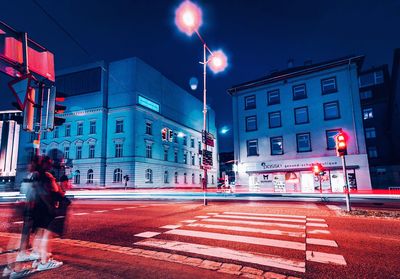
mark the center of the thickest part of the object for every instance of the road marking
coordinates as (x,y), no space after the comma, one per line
(131,207)
(83,213)
(242,239)
(202,217)
(246,229)
(260,218)
(323,242)
(189,221)
(256,223)
(147,234)
(315,219)
(18,222)
(225,253)
(266,215)
(118,209)
(318,231)
(100,211)
(212,213)
(316,225)
(333,207)
(59,217)
(170,227)
(325,258)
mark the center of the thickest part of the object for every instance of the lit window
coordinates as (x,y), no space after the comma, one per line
(250,102)
(328,85)
(301,115)
(149,128)
(274,119)
(370,133)
(273,97)
(92,127)
(149,176)
(118,150)
(79,128)
(91,151)
(299,92)
(276,146)
(303,142)
(252,147)
(330,138)
(331,110)
(119,126)
(117,175)
(368,113)
(251,123)
(372,152)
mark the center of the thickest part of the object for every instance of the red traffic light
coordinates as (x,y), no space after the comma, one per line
(164,134)
(341,144)
(318,169)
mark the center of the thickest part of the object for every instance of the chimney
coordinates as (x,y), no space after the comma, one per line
(290,63)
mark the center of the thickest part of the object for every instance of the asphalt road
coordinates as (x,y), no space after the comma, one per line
(221,240)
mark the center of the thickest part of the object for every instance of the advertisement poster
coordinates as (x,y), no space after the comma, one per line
(307,182)
(337,181)
(279,183)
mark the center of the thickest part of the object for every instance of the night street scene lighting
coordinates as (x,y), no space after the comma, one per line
(118,161)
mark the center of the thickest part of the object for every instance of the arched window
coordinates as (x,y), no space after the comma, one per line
(89,177)
(166,177)
(193,178)
(117,175)
(149,176)
(77,177)
(212,179)
(176,177)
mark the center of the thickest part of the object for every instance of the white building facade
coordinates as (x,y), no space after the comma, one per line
(114,118)
(286,122)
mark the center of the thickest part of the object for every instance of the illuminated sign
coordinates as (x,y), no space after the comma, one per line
(149,104)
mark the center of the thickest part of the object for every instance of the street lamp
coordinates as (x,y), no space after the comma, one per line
(188,18)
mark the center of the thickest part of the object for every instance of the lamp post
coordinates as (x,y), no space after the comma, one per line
(188,18)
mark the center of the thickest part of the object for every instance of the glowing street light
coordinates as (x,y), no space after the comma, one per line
(218,61)
(188,17)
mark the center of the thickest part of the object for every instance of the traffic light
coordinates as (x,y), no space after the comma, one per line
(341,144)
(318,169)
(59,109)
(171,135)
(164,134)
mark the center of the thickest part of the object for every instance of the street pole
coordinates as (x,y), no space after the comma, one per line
(204,122)
(348,206)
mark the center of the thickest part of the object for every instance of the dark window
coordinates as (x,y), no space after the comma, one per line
(299,92)
(274,97)
(192,142)
(301,115)
(328,85)
(149,128)
(185,158)
(274,119)
(118,150)
(252,147)
(372,152)
(66,152)
(166,179)
(91,151)
(250,102)
(366,94)
(67,130)
(185,140)
(330,138)
(149,151)
(149,176)
(165,154)
(77,177)
(79,152)
(176,156)
(119,126)
(117,175)
(370,133)
(80,82)
(303,142)
(92,127)
(56,132)
(89,177)
(44,135)
(193,159)
(276,146)
(331,110)
(251,123)
(79,129)
(176,177)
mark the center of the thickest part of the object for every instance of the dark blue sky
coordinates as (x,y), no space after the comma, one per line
(257,35)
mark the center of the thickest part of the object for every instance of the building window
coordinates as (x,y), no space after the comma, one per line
(66,152)
(56,133)
(378,77)
(166,179)
(366,94)
(149,151)
(252,147)
(331,110)
(251,123)
(370,133)
(330,138)
(67,130)
(328,85)
(149,176)
(303,142)
(118,150)
(79,128)
(176,156)
(276,145)
(149,128)
(212,179)
(185,140)
(89,177)
(175,138)
(77,177)
(117,175)
(199,145)
(250,102)
(299,92)
(193,182)
(119,126)
(199,160)
(193,159)
(372,152)
(192,142)
(371,78)
(79,152)
(368,113)
(200,178)
(92,127)
(91,151)
(184,157)
(274,97)
(274,119)
(176,177)
(301,115)
(185,178)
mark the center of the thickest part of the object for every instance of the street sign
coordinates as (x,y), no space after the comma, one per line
(19,87)
(207,138)
(207,158)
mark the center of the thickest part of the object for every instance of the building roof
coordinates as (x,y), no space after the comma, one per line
(297,71)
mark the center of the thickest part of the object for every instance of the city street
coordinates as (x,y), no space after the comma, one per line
(131,239)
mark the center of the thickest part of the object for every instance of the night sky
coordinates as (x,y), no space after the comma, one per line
(258,37)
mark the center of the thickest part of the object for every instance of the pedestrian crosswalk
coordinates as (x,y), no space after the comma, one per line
(286,243)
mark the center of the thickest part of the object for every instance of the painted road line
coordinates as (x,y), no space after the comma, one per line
(100,211)
(18,222)
(265,215)
(281,225)
(242,239)
(131,207)
(147,234)
(225,253)
(210,213)
(59,217)
(83,213)
(171,227)
(325,258)
(333,207)
(315,219)
(318,232)
(189,221)
(260,218)
(323,242)
(118,209)
(316,225)
(202,217)
(247,229)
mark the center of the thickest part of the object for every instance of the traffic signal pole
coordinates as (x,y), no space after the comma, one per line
(205,202)
(348,205)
